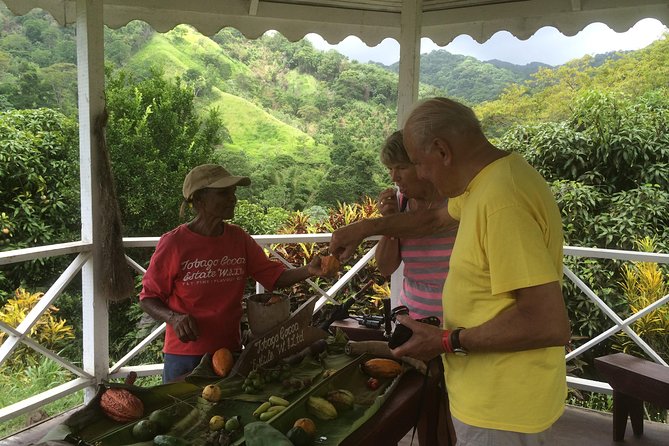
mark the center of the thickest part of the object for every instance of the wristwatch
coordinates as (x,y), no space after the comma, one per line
(458,349)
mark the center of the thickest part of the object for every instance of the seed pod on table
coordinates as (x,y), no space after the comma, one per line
(321,408)
(381,368)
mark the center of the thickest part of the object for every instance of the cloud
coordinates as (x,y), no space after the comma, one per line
(547,45)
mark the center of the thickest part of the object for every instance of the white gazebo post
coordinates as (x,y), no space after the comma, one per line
(407,92)
(90,69)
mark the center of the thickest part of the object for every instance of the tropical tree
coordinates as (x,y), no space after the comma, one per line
(155,137)
(39,189)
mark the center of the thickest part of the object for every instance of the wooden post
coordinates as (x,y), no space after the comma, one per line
(90,79)
(407,93)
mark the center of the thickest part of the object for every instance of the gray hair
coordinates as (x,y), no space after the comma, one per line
(440,117)
(393,151)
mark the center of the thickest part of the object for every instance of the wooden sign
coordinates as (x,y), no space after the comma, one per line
(291,336)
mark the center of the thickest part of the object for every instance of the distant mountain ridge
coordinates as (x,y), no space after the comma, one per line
(473,81)
(468,79)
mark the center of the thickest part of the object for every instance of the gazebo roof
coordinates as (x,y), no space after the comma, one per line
(370,20)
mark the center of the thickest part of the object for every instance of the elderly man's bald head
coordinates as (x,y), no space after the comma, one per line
(440,118)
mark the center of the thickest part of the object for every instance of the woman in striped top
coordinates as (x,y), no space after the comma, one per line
(426,259)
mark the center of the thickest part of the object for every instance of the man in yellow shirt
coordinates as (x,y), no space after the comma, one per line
(505,322)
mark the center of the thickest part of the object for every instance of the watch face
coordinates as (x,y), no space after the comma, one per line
(460,351)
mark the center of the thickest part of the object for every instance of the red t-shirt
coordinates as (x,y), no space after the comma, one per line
(205,277)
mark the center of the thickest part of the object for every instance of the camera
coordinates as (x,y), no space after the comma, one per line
(402,333)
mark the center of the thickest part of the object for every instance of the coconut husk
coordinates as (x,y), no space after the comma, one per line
(117,281)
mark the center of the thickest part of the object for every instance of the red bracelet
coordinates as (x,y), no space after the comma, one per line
(446,341)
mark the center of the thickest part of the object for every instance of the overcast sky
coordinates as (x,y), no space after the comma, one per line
(547,45)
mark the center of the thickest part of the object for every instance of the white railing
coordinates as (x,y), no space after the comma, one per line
(119,369)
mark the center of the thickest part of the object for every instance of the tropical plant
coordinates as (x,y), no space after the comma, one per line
(49,330)
(155,136)
(39,190)
(643,284)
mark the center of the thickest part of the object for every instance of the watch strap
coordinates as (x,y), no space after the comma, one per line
(454,342)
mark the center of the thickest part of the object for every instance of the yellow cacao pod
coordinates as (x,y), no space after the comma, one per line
(321,408)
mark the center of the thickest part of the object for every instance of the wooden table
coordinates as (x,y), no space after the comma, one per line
(415,399)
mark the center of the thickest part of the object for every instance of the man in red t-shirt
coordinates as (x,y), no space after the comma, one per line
(196,278)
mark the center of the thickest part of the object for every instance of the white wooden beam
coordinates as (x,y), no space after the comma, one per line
(407,93)
(409,74)
(42,252)
(90,76)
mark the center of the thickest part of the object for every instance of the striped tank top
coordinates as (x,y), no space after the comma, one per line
(426,261)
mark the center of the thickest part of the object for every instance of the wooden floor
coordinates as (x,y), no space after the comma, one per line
(577,427)
(582,427)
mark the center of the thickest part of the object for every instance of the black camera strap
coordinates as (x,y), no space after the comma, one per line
(421,401)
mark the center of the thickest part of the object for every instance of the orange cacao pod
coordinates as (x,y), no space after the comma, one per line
(329,265)
(222,361)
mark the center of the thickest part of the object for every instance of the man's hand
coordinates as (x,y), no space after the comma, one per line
(424,344)
(345,240)
(184,326)
(324,266)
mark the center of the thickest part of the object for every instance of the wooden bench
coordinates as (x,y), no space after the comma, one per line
(634,380)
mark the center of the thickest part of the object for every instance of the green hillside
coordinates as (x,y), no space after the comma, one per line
(187,54)
(550,94)
(260,134)
(306,124)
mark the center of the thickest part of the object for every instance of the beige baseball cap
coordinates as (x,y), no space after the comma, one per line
(210,175)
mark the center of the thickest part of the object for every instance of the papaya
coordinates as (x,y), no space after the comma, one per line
(222,361)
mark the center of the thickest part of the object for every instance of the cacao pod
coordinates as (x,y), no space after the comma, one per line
(321,408)
(329,265)
(381,368)
(121,405)
(222,361)
(341,399)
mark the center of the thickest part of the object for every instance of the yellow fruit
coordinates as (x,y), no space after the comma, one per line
(216,423)
(212,393)
(381,368)
(278,401)
(262,409)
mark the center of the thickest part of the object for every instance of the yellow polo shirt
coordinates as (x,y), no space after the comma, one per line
(510,237)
